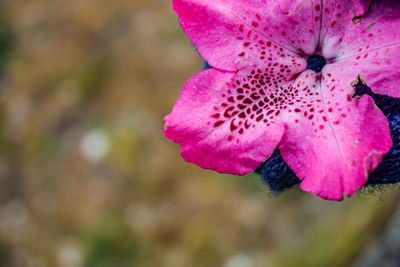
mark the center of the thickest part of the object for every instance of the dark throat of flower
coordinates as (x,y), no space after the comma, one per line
(316,63)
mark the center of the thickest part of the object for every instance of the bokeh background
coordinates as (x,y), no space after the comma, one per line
(88,180)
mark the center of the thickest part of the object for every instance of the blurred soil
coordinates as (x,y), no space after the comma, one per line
(88,180)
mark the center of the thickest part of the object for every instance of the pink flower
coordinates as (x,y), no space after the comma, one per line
(282,77)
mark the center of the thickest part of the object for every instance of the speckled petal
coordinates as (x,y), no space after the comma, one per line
(339,141)
(369,47)
(215,120)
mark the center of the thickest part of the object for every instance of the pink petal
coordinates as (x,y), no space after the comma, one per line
(370,47)
(217,128)
(290,6)
(230,33)
(361,6)
(335,141)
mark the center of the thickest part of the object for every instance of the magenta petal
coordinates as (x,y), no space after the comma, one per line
(369,47)
(290,6)
(343,157)
(379,73)
(230,34)
(361,6)
(215,131)
(340,141)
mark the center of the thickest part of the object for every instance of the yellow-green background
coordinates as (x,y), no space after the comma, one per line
(109,70)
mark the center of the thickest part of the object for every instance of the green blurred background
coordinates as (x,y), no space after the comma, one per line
(88,180)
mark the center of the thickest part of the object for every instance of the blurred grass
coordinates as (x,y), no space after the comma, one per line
(88,179)
(7,43)
(110,244)
(91,77)
(336,240)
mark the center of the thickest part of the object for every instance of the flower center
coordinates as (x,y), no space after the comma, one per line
(316,63)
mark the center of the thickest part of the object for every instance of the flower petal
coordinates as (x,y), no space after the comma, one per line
(217,121)
(369,46)
(339,143)
(230,34)
(361,6)
(388,171)
(289,7)
(279,176)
